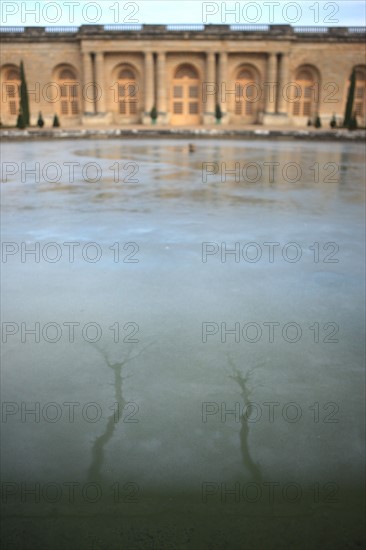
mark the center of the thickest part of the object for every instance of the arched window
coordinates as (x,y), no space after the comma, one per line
(360,92)
(69,91)
(127,92)
(305,98)
(246,96)
(185,100)
(12,90)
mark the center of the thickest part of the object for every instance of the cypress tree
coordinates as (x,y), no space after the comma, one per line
(350,99)
(24,100)
(20,120)
(353,123)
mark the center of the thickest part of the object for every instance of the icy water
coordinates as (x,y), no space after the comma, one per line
(183,353)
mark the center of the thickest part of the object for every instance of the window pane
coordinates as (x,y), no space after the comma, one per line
(193,109)
(64,107)
(193,91)
(186,72)
(10,90)
(122,107)
(249,108)
(178,108)
(359,109)
(238,108)
(12,107)
(131,90)
(308,92)
(133,108)
(307,109)
(178,91)
(250,92)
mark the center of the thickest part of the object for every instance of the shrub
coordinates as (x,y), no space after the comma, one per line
(153,113)
(56,122)
(333,122)
(318,122)
(40,121)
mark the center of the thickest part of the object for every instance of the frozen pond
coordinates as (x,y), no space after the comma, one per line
(221,306)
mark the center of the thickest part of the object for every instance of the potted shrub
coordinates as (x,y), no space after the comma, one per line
(153,115)
(218,114)
(318,122)
(310,122)
(56,122)
(40,121)
(333,122)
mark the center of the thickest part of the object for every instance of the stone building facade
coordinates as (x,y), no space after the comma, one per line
(116,74)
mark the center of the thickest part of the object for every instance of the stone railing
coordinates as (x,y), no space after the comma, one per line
(62,29)
(311,29)
(189,27)
(123,27)
(12,30)
(250,28)
(276,30)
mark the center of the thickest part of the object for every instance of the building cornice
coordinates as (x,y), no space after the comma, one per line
(183,32)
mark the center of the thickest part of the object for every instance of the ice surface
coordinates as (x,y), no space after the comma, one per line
(169,211)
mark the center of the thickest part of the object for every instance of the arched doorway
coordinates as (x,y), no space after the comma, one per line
(246,96)
(306,100)
(69,91)
(11,87)
(185,97)
(127,92)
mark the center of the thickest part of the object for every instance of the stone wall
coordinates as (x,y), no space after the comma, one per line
(217,54)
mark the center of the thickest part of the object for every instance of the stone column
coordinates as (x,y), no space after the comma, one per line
(149,87)
(88,85)
(284,79)
(223,87)
(272,84)
(161,88)
(100,80)
(209,93)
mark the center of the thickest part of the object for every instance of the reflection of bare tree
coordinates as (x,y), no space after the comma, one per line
(243,382)
(94,472)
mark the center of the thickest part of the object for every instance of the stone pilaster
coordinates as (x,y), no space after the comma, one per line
(271,84)
(284,80)
(223,86)
(100,81)
(210,90)
(149,85)
(161,88)
(277,116)
(88,85)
